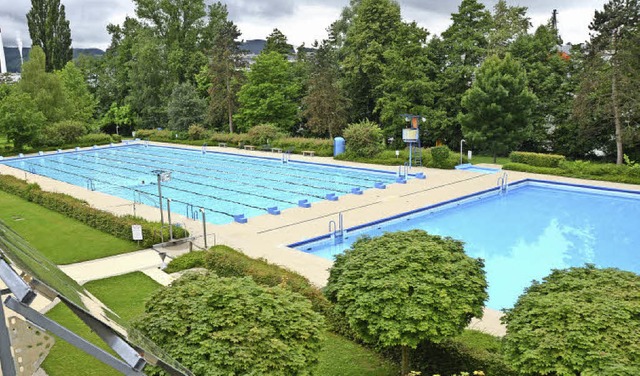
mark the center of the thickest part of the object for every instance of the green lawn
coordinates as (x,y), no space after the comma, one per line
(125,295)
(476,159)
(61,239)
(342,357)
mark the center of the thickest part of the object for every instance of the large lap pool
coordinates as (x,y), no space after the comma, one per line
(523,234)
(227,186)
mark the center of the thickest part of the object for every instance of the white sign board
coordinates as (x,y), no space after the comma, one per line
(136,231)
(410,135)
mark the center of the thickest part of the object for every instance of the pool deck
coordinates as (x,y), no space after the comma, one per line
(266,236)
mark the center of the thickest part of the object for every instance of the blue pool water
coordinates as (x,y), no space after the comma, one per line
(473,168)
(525,233)
(223,184)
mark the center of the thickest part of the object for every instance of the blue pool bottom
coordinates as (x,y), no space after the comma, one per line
(524,234)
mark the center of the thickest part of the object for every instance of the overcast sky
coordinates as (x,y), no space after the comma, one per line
(300,20)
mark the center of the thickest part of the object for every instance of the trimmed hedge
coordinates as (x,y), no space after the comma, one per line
(118,226)
(537,159)
(584,170)
(388,158)
(440,155)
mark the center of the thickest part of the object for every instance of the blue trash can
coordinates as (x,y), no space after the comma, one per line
(338,146)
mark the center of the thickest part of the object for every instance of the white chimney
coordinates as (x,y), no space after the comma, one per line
(3,61)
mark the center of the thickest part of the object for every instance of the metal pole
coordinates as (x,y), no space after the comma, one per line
(160,200)
(169,219)
(204,228)
(7,366)
(461,141)
(410,153)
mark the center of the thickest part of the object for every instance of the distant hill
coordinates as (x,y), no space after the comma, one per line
(12,55)
(253,46)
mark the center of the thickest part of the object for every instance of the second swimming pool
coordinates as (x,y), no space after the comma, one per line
(523,234)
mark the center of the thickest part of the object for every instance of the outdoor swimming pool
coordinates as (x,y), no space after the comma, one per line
(227,186)
(523,234)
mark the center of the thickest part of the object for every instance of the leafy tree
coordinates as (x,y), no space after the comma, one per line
(406,85)
(20,118)
(463,48)
(363,139)
(232,326)
(81,103)
(403,288)
(185,108)
(371,33)
(45,88)
(508,23)
(325,105)
(612,60)
(149,85)
(269,94)
(49,29)
(577,321)
(277,42)
(225,71)
(498,106)
(118,118)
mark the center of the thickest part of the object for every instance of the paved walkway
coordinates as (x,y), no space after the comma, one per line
(267,236)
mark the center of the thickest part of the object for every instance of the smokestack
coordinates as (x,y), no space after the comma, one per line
(3,61)
(19,41)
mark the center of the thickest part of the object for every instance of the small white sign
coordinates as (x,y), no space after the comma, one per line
(136,231)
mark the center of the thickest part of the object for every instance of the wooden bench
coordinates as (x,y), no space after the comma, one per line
(222,144)
(249,147)
(310,153)
(276,150)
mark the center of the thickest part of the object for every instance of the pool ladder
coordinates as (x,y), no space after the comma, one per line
(204,148)
(338,230)
(286,156)
(403,171)
(503,183)
(91,185)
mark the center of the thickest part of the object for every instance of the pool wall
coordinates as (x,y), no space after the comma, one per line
(466,198)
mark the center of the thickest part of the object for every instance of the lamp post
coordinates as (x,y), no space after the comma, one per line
(165,176)
(117,129)
(461,142)
(204,227)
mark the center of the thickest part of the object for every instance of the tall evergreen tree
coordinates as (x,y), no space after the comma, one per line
(49,29)
(508,23)
(613,38)
(277,42)
(226,65)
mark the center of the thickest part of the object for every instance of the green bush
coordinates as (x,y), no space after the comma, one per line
(536,159)
(94,139)
(197,132)
(60,133)
(118,226)
(263,134)
(363,139)
(231,139)
(584,170)
(322,147)
(440,155)
(187,261)
(155,135)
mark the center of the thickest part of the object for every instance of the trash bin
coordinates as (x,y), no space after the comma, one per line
(338,146)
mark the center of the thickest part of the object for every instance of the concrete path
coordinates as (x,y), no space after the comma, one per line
(83,272)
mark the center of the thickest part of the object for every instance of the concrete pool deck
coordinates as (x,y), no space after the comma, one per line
(266,236)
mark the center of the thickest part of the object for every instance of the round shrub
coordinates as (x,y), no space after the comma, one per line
(263,134)
(61,133)
(440,155)
(197,132)
(233,326)
(363,139)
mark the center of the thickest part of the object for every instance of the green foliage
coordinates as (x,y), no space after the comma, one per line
(61,133)
(263,134)
(118,226)
(322,147)
(194,259)
(537,159)
(577,321)
(197,132)
(584,170)
(81,102)
(471,350)
(20,119)
(340,356)
(49,29)
(440,156)
(498,106)
(404,288)
(388,158)
(363,139)
(268,95)
(277,42)
(221,326)
(94,139)
(185,108)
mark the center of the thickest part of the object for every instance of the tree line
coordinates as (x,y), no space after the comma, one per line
(488,78)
